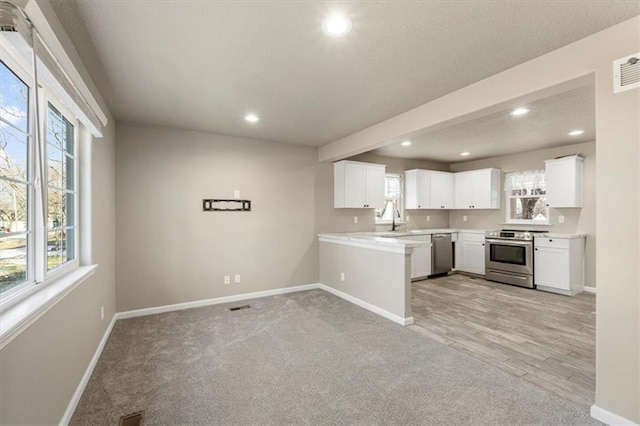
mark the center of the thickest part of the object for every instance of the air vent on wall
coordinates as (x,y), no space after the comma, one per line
(626,73)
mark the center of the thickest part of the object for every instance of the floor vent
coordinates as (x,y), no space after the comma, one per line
(133,419)
(237,308)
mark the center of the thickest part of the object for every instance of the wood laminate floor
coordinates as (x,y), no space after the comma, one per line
(544,338)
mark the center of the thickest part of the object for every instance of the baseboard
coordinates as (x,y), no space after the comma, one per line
(590,290)
(609,418)
(368,306)
(71,408)
(214,301)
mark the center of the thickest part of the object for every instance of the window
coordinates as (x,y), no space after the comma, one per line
(38,185)
(526,195)
(392,200)
(15,180)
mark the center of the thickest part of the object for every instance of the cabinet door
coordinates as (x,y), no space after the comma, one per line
(424,189)
(375,187)
(473,257)
(463,190)
(355,185)
(481,184)
(441,190)
(421,262)
(564,182)
(551,267)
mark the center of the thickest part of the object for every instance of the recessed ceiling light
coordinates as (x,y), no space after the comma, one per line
(464,154)
(406,143)
(336,25)
(251,118)
(576,132)
(519,111)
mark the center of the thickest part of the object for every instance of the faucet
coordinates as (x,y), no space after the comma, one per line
(394,225)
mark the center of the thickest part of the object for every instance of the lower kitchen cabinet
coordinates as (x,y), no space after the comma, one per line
(421,257)
(558,264)
(470,253)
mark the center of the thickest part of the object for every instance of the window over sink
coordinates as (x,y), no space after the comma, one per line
(393,202)
(526,194)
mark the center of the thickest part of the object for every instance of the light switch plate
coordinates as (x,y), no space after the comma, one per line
(464,218)
(560,219)
(355,219)
(237,279)
(236,193)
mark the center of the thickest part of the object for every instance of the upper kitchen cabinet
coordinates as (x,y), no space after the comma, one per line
(358,185)
(427,189)
(477,189)
(564,181)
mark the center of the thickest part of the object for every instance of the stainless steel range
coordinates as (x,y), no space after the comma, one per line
(509,257)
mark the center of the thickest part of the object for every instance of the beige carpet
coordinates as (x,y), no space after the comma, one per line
(303,358)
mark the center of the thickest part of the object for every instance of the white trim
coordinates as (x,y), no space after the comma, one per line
(18,317)
(609,418)
(590,290)
(214,301)
(368,306)
(75,399)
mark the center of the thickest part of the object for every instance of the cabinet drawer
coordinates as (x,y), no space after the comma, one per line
(551,242)
(475,237)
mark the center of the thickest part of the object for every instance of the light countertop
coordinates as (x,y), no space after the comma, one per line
(560,236)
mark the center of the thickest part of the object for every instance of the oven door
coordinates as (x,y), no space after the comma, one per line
(511,256)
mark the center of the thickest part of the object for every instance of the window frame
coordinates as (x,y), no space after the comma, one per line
(38,276)
(509,197)
(399,203)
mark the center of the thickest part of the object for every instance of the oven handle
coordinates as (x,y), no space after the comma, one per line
(510,243)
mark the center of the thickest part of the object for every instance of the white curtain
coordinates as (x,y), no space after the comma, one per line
(530,180)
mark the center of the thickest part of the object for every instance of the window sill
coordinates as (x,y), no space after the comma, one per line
(18,317)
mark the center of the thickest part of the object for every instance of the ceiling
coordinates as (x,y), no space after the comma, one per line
(546,125)
(203,65)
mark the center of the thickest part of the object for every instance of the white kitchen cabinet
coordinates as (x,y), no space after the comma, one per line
(470,252)
(477,189)
(358,185)
(558,264)
(421,257)
(563,177)
(428,189)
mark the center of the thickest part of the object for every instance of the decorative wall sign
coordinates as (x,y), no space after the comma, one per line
(215,205)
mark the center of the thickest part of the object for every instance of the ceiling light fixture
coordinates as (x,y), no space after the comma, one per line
(406,143)
(251,118)
(519,111)
(576,132)
(336,25)
(464,154)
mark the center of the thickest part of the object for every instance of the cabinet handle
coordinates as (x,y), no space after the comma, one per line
(550,241)
(482,244)
(536,249)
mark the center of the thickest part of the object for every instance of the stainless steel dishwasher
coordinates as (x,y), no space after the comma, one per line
(441,254)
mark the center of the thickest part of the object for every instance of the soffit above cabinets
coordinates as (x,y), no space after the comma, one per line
(203,65)
(546,125)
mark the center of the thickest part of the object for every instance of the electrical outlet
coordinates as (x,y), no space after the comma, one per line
(341,276)
(236,193)
(355,219)
(237,279)
(561,219)
(102,313)
(227,279)
(464,218)
(407,218)
(428,218)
